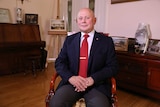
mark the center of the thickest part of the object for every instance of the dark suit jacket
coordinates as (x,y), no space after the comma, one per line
(102,62)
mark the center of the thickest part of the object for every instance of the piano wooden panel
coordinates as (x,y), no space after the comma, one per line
(17,42)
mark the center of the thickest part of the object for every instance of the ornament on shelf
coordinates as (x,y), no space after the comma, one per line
(19,15)
(142,37)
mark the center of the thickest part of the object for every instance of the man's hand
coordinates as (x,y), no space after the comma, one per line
(78,82)
(90,81)
(81,83)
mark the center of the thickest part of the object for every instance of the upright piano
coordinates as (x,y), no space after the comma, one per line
(17,42)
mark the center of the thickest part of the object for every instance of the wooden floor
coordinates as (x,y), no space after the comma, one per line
(20,90)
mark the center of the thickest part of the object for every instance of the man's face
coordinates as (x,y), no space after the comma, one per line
(86,20)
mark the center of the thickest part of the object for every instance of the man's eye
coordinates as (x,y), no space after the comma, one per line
(79,18)
(87,17)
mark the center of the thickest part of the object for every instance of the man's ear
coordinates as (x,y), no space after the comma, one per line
(95,19)
(76,20)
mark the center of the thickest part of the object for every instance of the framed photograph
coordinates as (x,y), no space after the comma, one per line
(121,1)
(57,25)
(154,47)
(31,18)
(131,44)
(121,43)
(5,15)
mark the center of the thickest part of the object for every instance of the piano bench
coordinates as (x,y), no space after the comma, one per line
(34,63)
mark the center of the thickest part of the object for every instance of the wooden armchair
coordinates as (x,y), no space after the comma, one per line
(114,100)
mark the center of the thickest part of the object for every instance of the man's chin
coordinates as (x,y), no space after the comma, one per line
(84,30)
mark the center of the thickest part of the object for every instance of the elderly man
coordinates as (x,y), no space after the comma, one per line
(87,59)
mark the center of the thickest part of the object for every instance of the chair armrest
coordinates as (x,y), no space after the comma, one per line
(113,81)
(114,94)
(51,90)
(53,80)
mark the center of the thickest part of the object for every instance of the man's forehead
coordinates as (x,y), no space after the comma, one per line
(84,13)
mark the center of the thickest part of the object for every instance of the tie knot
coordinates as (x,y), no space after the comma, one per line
(86,35)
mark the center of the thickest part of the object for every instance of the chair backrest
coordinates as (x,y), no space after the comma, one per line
(106,34)
(114,99)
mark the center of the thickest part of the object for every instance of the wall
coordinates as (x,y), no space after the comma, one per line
(123,18)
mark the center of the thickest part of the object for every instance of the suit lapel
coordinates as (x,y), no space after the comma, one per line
(94,46)
(77,49)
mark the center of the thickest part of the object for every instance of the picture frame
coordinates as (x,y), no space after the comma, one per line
(131,44)
(57,25)
(154,47)
(120,43)
(5,16)
(122,1)
(31,18)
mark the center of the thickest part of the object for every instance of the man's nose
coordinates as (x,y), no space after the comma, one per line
(84,20)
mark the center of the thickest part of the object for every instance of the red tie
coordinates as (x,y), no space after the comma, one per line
(83,65)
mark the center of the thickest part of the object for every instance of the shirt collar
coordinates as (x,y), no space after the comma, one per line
(90,33)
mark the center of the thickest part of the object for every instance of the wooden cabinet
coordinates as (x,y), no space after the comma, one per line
(139,73)
(154,75)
